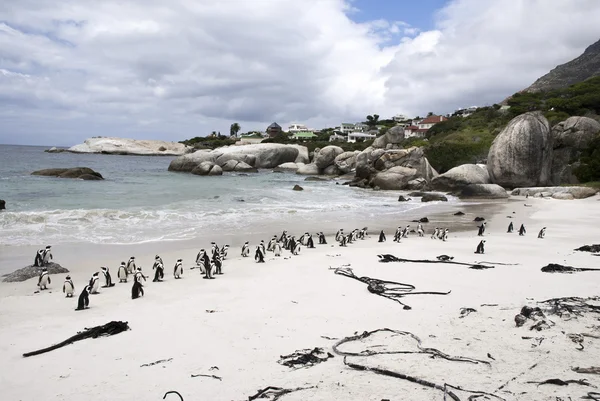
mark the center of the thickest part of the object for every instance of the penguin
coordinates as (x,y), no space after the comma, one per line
(322,240)
(200,259)
(277,249)
(158,259)
(511,227)
(263,247)
(137,290)
(339,235)
(271,244)
(542,233)
(343,240)
(159,271)
(362,233)
(296,249)
(398,234)
(122,273)
(216,265)
(94,283)
(131,269)
(283,237)
(290,245)
(224,252)
(309,242)
(205,264)
(47,255)
(68,287)
(246,249)
(107,278)
(481,229)
(44,279)
(406,231)
(480,247)
(353,235)
(303,238)
(440,234)
(84,300)
(178,269)
(445,235)
(522,230)
(214,248)
(420,230)
(365,232)
(435,232)
(39,258)
(381,236)
(259,255)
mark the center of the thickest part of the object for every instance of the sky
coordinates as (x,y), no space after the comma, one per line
(171,70)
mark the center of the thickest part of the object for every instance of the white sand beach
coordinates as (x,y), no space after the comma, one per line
(243,321)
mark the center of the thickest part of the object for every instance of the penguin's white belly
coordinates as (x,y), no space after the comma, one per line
(44,281)
(95,285)
(69,289)
(122,273)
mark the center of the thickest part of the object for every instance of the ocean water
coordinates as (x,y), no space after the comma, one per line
(140,202)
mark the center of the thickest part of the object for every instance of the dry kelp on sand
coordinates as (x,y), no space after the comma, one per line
(556,268)
(387,289)
(274,392)
(387,258)
(305,358)
(449,390)
(571,306)
(589,248)
(109,329)
(32,271)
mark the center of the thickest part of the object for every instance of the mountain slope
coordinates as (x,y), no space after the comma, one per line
(583,67)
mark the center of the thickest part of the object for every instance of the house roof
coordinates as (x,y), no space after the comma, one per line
(433,119)
(304,134)
(274,125)
(412,127)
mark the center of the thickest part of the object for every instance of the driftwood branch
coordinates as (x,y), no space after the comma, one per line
(556,268)
(173,392)
(387,258)
(275,392)
(211,376)
(108,329)
(559,382)
(156,362)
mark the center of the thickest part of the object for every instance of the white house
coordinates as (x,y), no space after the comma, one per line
(337,137)
(414,131)
(354,136)
(346,128)
(430,121)
(466,112)
(399,117)
(293,128)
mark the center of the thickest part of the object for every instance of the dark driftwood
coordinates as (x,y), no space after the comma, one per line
(387,289)
(387,258)
(156,362)
(108,329)
(589,248)
(593,370)
(434,353)
(276,392)
(556,268)
(559,382)
(211,376)
(305,358)
(173,392)
(571,306)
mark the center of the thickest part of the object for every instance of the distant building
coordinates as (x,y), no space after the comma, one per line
(430,121)
(359,136)
(337,138)
(300,135)
(361,127)
(399,117)
(466,112)
(346,128)
(274,130)
(297,128)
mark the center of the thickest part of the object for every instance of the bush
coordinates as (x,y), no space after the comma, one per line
(589,170)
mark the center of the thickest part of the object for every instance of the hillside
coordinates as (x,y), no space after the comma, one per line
(583,67)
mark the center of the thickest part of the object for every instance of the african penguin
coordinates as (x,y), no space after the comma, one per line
(107,278)
(481,229)
(131,269)
(68,287)
(84,300)
(122,273)
(39,258)
(246,249)
(542,233)
(47,255)
(522,230)
(381,236)
(480,248)
(94,283)
(511,227)
(259,255)
(178,269)
(44,279)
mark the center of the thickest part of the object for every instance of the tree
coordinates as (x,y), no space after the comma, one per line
(430,114)
(372,120)
(234,129)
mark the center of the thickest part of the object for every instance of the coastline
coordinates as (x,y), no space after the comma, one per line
(263,311)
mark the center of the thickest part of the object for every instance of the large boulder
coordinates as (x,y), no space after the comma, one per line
(395,178)
(484,191)
(570,138)
(189,162)
(82,173)
(346,162)
(521,155)
(125,146)
(2,204)
(332,170)
(433,197)
(461,176)
(288,167)
(207,168)
(240,167)
(394,136)
(327,155)
(308,169)
(576,192)
(303,155)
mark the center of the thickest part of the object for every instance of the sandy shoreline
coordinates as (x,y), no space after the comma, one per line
(262,311)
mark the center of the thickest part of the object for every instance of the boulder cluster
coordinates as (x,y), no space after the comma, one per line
(82,173)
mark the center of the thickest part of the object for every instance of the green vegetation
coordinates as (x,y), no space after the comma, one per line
(467,140)
(208,142)
(320,141)
(589,170)
(234,129)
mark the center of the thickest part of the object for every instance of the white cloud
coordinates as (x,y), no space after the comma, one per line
(70,69)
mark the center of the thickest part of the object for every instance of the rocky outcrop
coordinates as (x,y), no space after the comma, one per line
(326,156)
(346,162)
(303,155)
(240,167)
(297,188)
(124,146)
(82,173)
(2,204)
(576,192)
(54,149)
(461,176)
(332,170)
(262,155)
(521,155)
(570,138)
(393,169)
(288,167)
(483,191)
(391,139)
(433,197)
(207,168)
(308,169)
(31,271)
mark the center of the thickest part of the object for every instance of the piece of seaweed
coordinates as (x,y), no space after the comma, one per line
(387,258)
